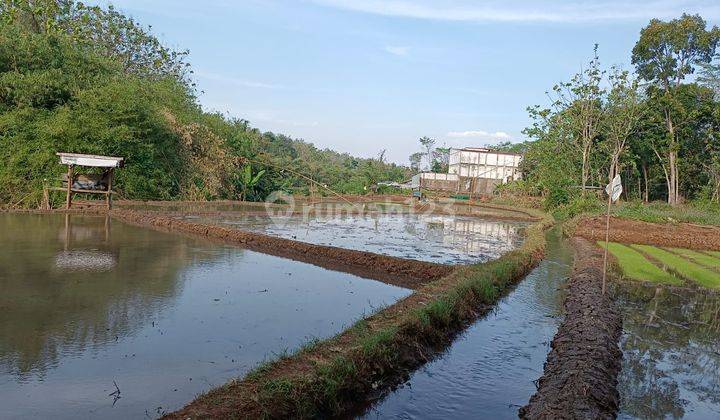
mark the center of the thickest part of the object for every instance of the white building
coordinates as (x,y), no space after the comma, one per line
(478,162)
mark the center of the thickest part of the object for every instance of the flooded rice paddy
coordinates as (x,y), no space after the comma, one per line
(432,238)
(489,371)
(671,353)
(88,302)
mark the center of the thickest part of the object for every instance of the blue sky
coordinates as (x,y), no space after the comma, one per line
(359,76)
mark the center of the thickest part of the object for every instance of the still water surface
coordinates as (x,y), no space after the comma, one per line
(87,301)
(671,353)
(433,238)
(489,372)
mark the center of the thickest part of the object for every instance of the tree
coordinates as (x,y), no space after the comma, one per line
(623,111)
(106,32)
(710,75)
(441,159)
(428,144)
(664,55)
(415,161)
(579,103)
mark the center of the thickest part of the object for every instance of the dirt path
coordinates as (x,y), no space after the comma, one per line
(580,375)
(682,235)
(401,272)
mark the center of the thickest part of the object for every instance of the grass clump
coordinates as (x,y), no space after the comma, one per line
(378,343)
(635,266)
(685,268)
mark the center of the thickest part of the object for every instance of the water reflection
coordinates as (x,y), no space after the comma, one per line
(439,239)
(671,353)
(57,271)
(86,301)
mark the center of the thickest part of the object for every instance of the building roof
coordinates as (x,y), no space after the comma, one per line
(90,160)
(485,150)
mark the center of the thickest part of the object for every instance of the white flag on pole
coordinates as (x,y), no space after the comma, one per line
(614,189)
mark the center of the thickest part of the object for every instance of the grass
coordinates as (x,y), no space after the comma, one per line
(699,257)
(685,268)
(714,253)
(703,214)
(635,266)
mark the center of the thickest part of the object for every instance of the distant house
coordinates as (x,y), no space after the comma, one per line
(479,162)
(472,170)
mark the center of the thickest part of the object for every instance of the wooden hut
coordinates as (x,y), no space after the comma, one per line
(88,184)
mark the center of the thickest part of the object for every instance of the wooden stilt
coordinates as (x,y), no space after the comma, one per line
(68,199)
(109,189)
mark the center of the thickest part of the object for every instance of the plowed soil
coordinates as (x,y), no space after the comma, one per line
(580,375)
(392,270)
(682,235)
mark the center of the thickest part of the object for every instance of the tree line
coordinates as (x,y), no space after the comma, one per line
(86,79)
(658,126)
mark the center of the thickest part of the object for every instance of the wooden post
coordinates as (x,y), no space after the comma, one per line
(109,188)
(607,241)
(68,199)
(46,197)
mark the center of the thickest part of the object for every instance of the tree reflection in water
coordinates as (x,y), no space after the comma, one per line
(71,281)
(671,352)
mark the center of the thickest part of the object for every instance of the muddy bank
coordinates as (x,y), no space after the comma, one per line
(329,378)
(580,375)
(392,270)
(682,235)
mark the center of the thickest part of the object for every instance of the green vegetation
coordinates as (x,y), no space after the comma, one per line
(682,266)
(83,79)
(635,266)
(698,257)
(699,213)
(657,127)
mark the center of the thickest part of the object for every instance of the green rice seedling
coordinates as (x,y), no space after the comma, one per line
(698,257)
(635,266)
(684,267)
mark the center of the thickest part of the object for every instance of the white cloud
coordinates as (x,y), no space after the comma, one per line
(528,10)
(480,134)
(401,51)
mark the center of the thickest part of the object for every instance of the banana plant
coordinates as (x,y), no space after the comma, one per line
(248,181)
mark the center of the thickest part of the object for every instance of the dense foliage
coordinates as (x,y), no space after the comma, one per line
(90,80)
(658,128)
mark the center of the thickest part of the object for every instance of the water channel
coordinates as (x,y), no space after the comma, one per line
(489,371)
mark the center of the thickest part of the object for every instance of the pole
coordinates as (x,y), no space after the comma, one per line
(607,241)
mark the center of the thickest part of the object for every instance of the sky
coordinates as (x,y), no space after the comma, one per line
(360,76)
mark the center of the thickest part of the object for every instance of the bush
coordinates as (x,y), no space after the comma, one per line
(578,206)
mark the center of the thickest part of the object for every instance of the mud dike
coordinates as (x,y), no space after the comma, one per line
(580,375)
(400,272)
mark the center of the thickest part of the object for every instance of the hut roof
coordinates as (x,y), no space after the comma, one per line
(90,160)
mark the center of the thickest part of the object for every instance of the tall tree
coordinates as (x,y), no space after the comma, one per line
(579,102)
(665,54)
(428,144)
(623,111)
